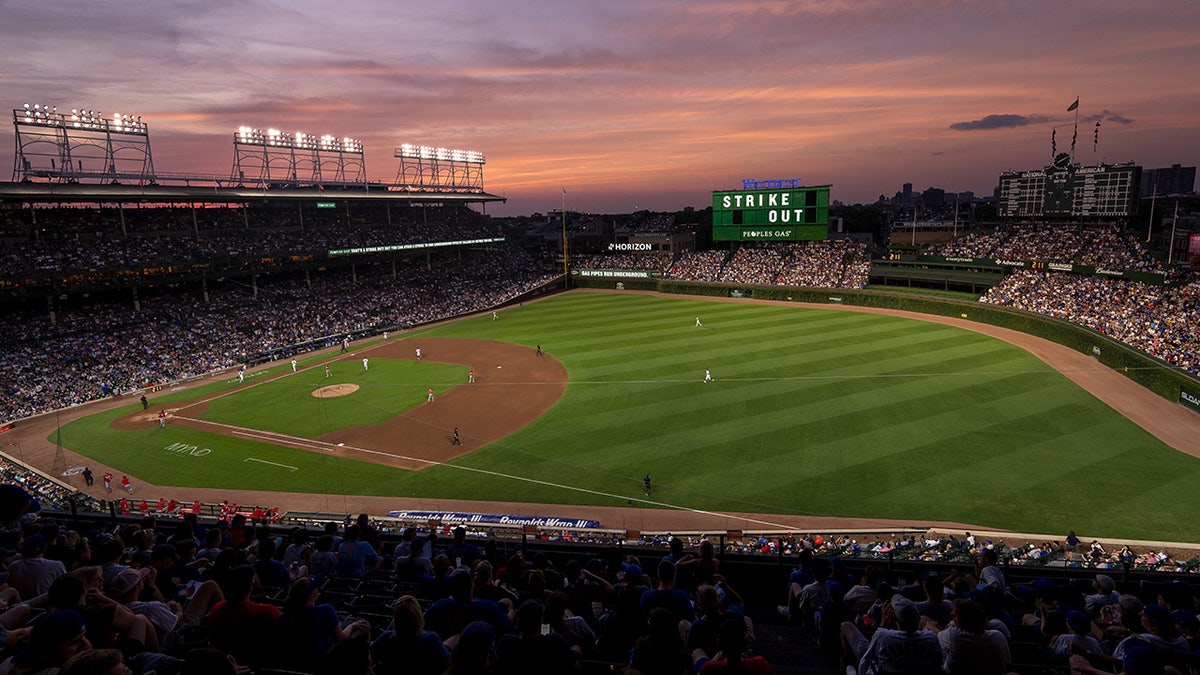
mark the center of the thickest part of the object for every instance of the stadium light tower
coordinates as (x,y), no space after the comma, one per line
(439,169)
(82,145)
(275,157)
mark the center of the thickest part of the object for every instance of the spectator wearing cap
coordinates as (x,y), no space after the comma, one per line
(899,645)
(1158,631)
(170,576)
(109,623)
(1139,659)
(972,648)
(529,652)
(1078,639)
(408,648)
(460,551)
(16,504)
(1104,593)
(1188,626)
(447,617)
(134,588)
(33,573)
(52,641)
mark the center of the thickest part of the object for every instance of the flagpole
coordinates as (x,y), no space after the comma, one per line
(1075,130)
(564,229)
(1151,225)
(1171,241)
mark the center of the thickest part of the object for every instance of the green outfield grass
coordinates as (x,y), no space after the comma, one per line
(814,411)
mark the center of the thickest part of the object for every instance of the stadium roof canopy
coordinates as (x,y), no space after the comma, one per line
(30,192)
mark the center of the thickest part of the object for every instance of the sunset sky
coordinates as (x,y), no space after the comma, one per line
(631,105)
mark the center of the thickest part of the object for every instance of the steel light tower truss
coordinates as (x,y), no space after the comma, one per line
(439,169)
(275,157)
(80,146)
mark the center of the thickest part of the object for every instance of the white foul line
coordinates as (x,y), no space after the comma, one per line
(255,459)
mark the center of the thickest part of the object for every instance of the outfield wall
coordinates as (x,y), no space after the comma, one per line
(1156,375)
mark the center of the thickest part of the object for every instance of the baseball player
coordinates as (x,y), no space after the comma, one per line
(418,353)
(328,372)
(698,322)
(385,335)
(107,478)
(242,374)
(162,419)
(471,377)
(429,399)
(293,365)
(646,484)
(494,317)
(127,484)
(345,344)
(365,363)
(708,376)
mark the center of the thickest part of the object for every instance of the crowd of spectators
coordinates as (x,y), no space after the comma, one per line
(972,619)
(658,260)
(89,247)
(818,264)
(105,347)
(228,597)
(1160,320)
(1097,245)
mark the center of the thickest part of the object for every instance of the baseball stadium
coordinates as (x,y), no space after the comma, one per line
(294,344)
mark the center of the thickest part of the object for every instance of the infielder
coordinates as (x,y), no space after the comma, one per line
(328,372)
(429,399)
(418,353)
(162,419)
(471,377)
(365,364)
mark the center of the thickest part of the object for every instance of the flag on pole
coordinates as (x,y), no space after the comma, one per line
(1074,105)
(1053,142)
(1096,137)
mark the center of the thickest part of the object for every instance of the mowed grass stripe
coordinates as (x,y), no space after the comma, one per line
(819,411)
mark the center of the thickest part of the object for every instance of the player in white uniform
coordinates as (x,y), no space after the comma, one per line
(293,365)
(708,376)
(365,364)
(698,322)
(418,353)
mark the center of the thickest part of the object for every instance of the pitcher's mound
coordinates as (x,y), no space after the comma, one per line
(335,390)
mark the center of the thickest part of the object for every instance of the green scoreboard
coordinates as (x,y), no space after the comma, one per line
(789,214)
